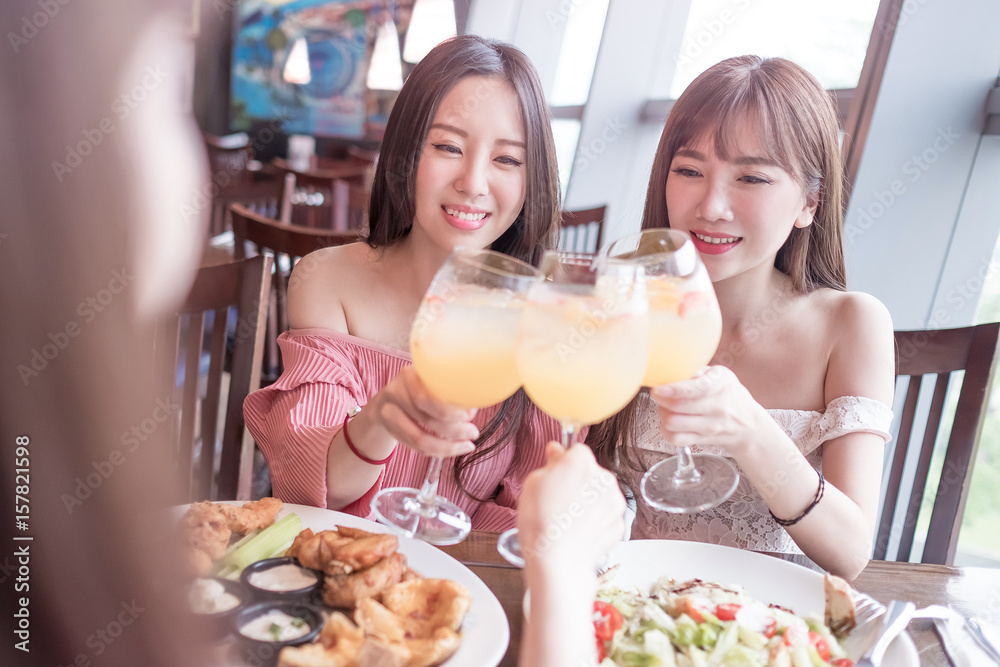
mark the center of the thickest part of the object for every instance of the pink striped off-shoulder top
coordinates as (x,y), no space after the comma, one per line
(326,374)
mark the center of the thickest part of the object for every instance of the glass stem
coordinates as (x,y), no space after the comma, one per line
(686,472)
(568,430)
(428,492)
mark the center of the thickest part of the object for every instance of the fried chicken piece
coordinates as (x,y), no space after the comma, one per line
(345,590)
(377,621)
(839,611)
(197,561)
(375,653)
(312,655)
(342,551)
(339,645)
(424,605)
(205,527)
(433,650)
(384,626)
(255,515)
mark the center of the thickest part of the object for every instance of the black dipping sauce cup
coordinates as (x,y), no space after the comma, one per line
(220,623)
(311,594)
(265,652)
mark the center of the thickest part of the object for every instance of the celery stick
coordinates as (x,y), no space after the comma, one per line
(240,542)
(264,545)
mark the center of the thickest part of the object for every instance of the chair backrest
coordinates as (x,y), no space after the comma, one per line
(927,362)
(583,230)
(213,468)
(235,182)
(230,154)
(319,198)
(287,243)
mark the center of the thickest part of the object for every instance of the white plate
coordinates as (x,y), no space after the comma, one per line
(768,579)
(485,631)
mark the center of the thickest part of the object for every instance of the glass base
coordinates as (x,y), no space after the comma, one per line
(509,547)
(714,480)
(440,523)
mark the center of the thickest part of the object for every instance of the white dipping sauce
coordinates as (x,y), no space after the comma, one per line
(207,596)
(286,577)
(275,626)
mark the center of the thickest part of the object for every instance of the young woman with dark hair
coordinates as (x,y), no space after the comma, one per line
(467,160)
(749,166)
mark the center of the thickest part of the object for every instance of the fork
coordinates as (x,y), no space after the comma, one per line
(895,619)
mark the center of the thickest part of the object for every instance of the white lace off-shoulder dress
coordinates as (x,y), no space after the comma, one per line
(743,521)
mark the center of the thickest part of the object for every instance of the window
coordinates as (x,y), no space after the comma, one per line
(827,38)
(979,540)
(574,73)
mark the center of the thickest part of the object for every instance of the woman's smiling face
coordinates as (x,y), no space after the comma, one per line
(470,184)
(739,211)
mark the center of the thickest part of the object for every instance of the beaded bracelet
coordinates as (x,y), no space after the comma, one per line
(359,454)
(819,496)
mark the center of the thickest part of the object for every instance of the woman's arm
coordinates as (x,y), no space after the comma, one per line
(717,409)
(402,411)
(571,514)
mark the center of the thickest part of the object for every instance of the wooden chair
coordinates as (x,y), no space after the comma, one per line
(582,231)
(213,468)
(287,243)
(927,363)
(234,180)
(319,198)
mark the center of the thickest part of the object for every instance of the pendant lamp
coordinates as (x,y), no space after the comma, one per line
(385,71)
(432,22)
(297,65)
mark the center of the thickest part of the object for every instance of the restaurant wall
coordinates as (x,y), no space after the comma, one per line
(925,210)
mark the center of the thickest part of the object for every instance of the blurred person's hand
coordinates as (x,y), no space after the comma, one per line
(570,513)
(571,508)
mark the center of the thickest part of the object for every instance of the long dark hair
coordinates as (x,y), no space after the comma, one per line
(797,122)
(392,206)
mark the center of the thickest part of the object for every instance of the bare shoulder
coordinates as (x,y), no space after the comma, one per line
(851,314)
(320,282)
(860,336)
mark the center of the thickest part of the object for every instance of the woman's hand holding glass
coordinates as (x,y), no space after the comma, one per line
(570,484)
(462,343)
(413,416)
(685,328)
(714,406)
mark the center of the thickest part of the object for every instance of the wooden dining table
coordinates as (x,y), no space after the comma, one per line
(971,591)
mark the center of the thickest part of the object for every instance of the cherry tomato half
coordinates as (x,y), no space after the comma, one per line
(820,644)
(727,612)
(607,620)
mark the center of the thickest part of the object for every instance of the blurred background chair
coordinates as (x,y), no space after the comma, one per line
(287,243)
(238,178)
(320,197)
(228,300)
(582,231)
(928,363)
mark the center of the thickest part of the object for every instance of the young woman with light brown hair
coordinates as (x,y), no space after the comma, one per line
(749,166)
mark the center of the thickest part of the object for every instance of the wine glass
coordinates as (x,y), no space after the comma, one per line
(462,343)
(685,327)
(581,351)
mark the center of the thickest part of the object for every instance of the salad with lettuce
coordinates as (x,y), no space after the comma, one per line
(704,624)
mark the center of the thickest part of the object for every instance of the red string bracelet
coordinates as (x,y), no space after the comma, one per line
(359,454)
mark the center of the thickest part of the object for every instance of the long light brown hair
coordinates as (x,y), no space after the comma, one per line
(797,126)
(393,198)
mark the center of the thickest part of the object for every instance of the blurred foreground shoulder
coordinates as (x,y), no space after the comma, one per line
(319,284)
